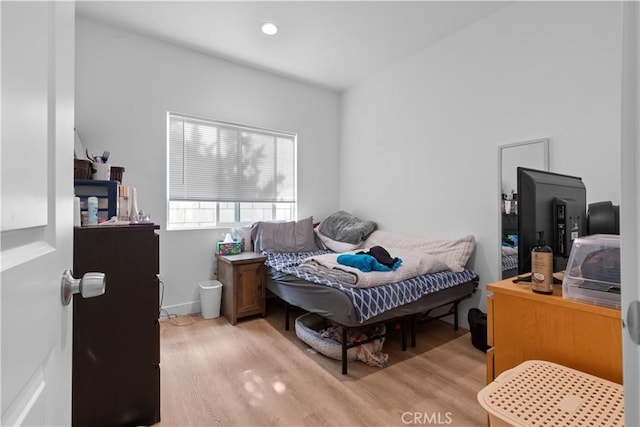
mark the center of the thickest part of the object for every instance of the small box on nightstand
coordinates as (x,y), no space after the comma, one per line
(228,248)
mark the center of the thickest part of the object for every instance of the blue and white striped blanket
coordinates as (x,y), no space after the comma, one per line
(370,302)
(509,262)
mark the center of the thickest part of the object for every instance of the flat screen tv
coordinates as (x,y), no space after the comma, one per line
(553,204)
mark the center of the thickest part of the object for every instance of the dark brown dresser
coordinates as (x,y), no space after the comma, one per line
(116,336)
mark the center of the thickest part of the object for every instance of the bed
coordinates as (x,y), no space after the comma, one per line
(288,245)
(509,262)
(509,255)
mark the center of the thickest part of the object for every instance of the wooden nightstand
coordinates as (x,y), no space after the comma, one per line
(243,285)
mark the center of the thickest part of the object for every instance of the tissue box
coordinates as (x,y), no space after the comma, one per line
(229,248)
(593,271)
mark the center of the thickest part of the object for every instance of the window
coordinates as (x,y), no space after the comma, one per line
(222,174)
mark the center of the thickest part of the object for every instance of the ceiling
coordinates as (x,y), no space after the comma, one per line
(333,44)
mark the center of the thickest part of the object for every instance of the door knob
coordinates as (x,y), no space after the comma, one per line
(91,285)
(633,321)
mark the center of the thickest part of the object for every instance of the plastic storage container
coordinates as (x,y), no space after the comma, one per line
(593,271)
(210,298)
(539,393)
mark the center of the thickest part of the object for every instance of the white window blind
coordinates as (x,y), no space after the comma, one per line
(222,162)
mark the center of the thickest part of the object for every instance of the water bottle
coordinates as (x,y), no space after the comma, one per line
(92,208)
(76,212)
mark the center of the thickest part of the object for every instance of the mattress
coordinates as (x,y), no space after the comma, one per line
(351,306)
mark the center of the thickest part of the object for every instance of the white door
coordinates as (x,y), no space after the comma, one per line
(37,57)
(630,210)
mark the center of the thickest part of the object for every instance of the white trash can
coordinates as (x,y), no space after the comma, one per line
(210,297)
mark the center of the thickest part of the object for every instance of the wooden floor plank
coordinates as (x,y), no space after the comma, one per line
(258,374)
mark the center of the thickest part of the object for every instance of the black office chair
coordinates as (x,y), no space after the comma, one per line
(603,218)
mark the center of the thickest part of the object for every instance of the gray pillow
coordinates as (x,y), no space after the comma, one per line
(291,236)
(344,227)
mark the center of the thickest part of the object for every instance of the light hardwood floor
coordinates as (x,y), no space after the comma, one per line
(258,374)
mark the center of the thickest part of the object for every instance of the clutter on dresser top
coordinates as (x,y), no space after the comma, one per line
(101,198)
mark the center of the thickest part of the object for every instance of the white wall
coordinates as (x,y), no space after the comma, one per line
(418,145)
(419,140)
(125,84)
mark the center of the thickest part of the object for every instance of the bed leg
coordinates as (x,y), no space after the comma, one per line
(403,331)
(344,350)
(412,328)
(286,316)
(455,316)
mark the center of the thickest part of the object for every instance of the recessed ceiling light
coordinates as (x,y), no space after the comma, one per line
(269,28)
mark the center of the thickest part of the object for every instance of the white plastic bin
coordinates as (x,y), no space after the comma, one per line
(540,393)
(210,297)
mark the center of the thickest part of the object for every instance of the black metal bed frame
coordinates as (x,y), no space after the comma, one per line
(408,320)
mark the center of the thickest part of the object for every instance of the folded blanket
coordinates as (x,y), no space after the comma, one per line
(366,263)
(413,264)
(320,268)
(509,251)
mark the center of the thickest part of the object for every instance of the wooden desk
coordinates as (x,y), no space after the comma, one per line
(523,325)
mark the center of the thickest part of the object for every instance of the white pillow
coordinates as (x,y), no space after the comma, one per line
(455,253)
(336,246)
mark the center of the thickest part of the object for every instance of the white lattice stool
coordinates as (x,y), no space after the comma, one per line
(538,393)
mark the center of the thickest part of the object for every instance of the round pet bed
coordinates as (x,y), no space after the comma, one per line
(307,327)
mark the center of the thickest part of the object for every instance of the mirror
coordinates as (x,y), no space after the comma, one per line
(531,154)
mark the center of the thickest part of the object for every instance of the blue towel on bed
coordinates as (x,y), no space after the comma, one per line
(366,263)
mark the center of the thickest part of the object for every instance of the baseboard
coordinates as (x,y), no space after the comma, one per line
(181,309)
